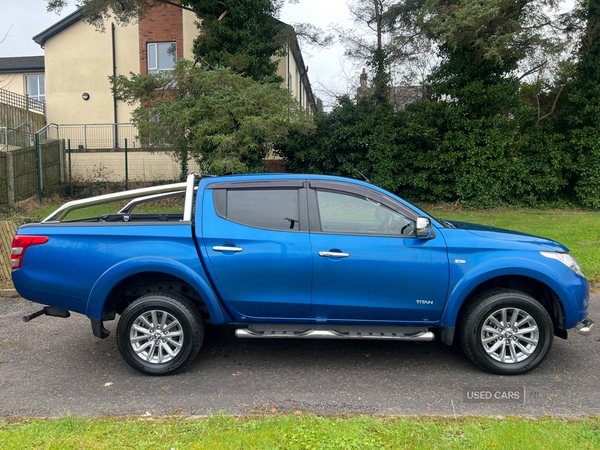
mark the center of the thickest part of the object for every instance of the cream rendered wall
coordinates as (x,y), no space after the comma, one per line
(291,78)
(127,51)
(14,82)
(281,68)
(190,32)
(142,166)
(78,60)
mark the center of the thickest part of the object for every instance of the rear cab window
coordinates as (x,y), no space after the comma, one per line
(276,208)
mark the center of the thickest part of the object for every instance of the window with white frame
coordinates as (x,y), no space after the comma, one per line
(34,87)
(161,56)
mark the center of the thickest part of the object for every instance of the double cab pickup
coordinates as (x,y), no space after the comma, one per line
(296,256)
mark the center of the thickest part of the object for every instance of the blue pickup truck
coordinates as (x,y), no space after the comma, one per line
(296,256)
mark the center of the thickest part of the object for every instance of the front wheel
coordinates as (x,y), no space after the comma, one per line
(160,334)
(506,332)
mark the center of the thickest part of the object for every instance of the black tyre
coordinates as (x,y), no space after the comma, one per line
(160,334)
(506,332)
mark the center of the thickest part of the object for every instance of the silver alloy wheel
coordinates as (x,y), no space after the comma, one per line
(156,336)
(509,335)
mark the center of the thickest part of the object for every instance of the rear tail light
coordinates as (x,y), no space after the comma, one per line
(20,244)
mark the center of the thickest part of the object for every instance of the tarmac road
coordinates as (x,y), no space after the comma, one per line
(52,366)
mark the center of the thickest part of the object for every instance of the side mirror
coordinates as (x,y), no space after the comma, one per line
(423,228)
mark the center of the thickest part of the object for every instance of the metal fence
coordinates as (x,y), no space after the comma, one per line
(93,136)
(11,139)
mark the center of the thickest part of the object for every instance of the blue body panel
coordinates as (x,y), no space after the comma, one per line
(271,277)
(382,279)
(279,276)
(491,254)
(145,264)
(79,265)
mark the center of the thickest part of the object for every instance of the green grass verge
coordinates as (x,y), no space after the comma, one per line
(578,230)
(301,432)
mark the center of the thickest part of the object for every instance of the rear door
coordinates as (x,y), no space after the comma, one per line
(368,262)
(258,246)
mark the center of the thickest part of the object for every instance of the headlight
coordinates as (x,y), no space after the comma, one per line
(567,259)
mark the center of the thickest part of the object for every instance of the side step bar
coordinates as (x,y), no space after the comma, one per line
(586,327)
(396,334)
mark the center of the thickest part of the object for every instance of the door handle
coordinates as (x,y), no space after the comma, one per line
(220,248)
(334,254)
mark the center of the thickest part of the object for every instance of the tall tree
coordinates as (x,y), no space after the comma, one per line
(242,35)
(365,42)
(492,28)
(229,122)
(583,112)
(477,123)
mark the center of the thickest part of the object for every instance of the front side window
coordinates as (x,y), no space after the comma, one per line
(34,87)
(271,209)
(161,56)
(353,214)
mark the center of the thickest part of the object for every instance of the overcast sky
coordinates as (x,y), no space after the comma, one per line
(20,20)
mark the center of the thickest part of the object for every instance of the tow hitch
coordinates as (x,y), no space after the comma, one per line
(48,311)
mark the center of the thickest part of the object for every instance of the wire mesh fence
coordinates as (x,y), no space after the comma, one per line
(93,136)
(86,157)
(11,139)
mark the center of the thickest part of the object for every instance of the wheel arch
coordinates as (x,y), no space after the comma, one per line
(106,294)
(530,286)
(532,278)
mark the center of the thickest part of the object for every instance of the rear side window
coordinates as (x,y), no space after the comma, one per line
(271,209)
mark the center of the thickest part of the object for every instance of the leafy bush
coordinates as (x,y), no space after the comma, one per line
(476,141)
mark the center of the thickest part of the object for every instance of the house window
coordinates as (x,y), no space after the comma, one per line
(161,56)
(34,87)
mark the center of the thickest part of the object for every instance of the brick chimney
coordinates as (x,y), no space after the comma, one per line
(363,79)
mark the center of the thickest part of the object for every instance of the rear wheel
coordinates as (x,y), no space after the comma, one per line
(506,332)
(160,334)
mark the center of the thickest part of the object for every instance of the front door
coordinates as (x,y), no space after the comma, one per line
(368,262)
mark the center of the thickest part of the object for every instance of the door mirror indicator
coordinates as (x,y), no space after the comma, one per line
(423,228)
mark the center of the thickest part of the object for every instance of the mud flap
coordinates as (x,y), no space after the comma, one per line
(98,329)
